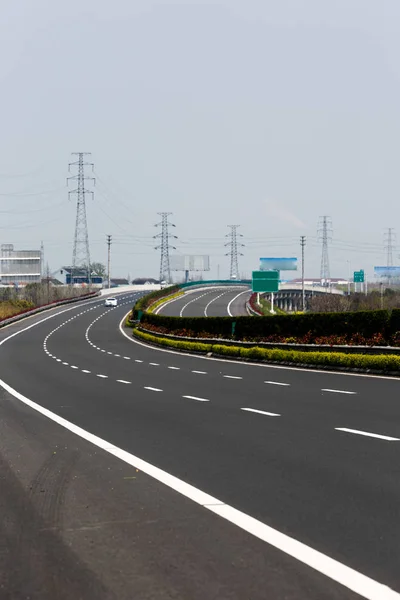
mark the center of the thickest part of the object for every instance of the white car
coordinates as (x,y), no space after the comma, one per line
(111,302)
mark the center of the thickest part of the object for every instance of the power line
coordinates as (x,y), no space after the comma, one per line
(325,236)
(234,253)
(165,271)
(81,252)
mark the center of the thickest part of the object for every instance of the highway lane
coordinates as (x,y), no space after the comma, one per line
(235,455)
(211,302)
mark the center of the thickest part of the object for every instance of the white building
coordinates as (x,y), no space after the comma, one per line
(19,267)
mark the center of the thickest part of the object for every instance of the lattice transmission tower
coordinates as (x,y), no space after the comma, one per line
(390,246)
(81,252)
(164,246)
(325,236)
(234,252)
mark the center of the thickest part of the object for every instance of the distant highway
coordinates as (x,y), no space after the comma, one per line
(132,472)
(209,302)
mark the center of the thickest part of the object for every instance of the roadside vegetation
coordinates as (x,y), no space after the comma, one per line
(382,363)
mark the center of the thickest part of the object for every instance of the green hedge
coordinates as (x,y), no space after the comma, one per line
(146,300)
(365,323)
(214,325)
(386,363)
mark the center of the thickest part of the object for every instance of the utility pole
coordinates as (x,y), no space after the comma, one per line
(81,253)
(109,238)
(42,271)
(165,271)
(303,293)
(325,236)
(390,238)
(234,253)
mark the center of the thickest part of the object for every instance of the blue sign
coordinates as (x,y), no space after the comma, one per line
(387,271)
(278,264)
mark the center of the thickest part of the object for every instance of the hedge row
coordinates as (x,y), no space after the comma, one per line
(385,363)
(145,301)
(364,323)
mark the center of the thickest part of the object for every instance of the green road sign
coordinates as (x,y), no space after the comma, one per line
(265,281)
(274,275)
(358,276)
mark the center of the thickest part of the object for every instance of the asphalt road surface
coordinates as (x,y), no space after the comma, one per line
(159,475)
(209,302)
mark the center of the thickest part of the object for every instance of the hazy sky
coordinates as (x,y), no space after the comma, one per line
(261,113)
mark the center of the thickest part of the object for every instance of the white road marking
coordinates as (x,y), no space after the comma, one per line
(85,371)
(74,367)
(200,372)
(213,300)
(127,357)
(232,377)
(368,434)
(231,361)
(123,381)
(152,389)
(337,391)
(346,576)
(59,360)
(154,364)
(233,300)
(196,398)
(103,376)
(175,368)
(261,412)
(277,383)
(65,363)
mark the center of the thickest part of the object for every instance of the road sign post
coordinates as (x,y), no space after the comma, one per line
(265,282)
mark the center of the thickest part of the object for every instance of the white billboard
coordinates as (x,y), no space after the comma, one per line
(189,262)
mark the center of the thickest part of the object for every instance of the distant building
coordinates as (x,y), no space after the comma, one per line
(78,276)
(19,267)
(115,282)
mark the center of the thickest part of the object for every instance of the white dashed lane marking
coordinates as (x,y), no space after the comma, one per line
(123,381)
(261,412)
(277,383)
(196,398)
(102,376)
(152,389)
(174,368)
(200,372)
(232,377)
(368,434)
(337,391)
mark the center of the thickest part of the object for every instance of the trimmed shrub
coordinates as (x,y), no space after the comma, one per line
(386,363)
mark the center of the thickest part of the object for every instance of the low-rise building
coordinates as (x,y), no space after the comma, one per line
(19,267)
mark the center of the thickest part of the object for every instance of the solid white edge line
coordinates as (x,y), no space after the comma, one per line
(261,412)
(368,434)
(353,580)
(233,300)
(249,363)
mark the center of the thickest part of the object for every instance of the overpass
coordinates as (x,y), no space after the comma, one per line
(289,297)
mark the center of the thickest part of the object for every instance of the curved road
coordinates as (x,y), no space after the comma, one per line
(95,497)
(209,302)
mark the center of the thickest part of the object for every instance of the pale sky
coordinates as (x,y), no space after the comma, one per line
(261,113)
